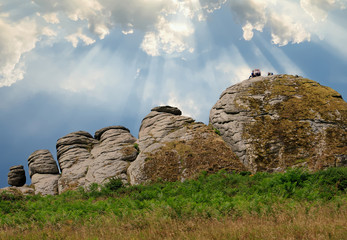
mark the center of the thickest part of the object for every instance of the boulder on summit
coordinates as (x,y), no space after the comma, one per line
(283,121)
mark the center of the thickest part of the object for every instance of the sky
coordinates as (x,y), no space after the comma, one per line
(73,65)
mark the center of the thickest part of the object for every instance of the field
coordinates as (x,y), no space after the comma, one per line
(292,205)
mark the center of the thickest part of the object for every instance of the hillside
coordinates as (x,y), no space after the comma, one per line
(291,205)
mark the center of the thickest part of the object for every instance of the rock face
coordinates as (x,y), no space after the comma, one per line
(23,190)
(84,160)
(45,184)
(16,176)
(42,162)
(275,122)
(174,147)
(44,172)
(266,124)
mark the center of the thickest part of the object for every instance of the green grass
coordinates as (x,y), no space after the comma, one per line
(210,196)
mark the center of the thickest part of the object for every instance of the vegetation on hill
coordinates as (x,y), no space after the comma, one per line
(296,202)
(297,103)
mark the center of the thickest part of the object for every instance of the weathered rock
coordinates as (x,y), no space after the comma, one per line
(45,184)
(19,191)
(174,147)
(16,176)
(167,109)
(276,122)
(84,160)
(42,162)
(73,152)
(112,155)
(98,133)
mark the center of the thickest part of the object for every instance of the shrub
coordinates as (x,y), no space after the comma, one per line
(136,146)
(114,184)
(216,131)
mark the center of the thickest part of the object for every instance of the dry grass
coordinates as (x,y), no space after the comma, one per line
(325,222)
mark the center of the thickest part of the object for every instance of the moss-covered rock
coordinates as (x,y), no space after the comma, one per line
(281,121)
(175,148)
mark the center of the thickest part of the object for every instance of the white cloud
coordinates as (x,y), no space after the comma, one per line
(46,31)
(51,18)
(171,37)
(285,30)
(285,26)
(251,14)
(76,37)
(15,40)
(150,44)
(319,9)
(156,18)
(167,26)
(187,105)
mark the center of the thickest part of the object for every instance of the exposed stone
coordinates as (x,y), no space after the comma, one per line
(16,176)
(98,133)
(23,190)
(276,122)
(84,160)
(45,184)
(42,162)
(167,109)
(174,147)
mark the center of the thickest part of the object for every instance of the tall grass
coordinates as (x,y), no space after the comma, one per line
(218,200)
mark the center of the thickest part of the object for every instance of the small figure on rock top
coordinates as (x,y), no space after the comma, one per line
(255,73)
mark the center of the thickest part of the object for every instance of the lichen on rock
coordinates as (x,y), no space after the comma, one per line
(85,160)
(280,121)
(175,148)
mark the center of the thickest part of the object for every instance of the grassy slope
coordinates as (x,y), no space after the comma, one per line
(296,204)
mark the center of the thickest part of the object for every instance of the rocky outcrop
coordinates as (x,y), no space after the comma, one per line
(16,176)
(112,155)
(275,122)
(174,147)
(23,190)
(265,124)
(44,172)
(45,184)
(73,153)
(42,162)
(84,160)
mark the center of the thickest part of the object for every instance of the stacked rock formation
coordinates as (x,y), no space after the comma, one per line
(44,173)
(281,121)
(174,148)
(266,124)
(16,176)
(84,160)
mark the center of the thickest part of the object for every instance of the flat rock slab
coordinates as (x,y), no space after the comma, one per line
(167,109)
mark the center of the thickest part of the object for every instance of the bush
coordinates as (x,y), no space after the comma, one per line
(216,131)
(114,184)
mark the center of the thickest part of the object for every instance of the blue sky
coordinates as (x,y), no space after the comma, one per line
(74,65)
